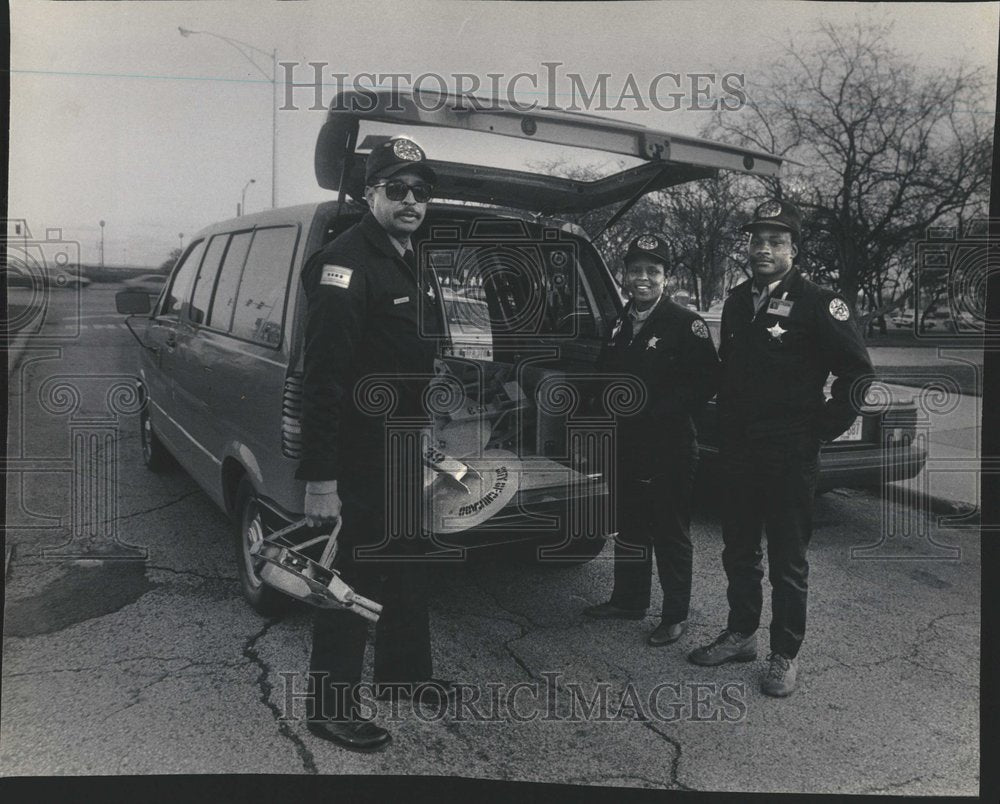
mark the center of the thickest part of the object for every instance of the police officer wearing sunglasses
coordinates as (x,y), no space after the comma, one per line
(782,337)
(668,348)
(371,310)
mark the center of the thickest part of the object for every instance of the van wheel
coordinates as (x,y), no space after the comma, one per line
(154,454)
(250,529)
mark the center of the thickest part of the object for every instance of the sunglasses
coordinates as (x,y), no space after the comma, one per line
(397,190)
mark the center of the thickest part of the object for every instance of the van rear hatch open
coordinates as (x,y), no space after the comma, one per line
(632,159)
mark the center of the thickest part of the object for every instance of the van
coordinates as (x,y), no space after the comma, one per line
(527,300)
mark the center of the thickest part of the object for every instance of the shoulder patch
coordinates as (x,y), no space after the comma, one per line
(336,275)
(839,309)
(699,328)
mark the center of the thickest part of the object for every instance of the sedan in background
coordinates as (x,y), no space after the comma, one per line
(148,283)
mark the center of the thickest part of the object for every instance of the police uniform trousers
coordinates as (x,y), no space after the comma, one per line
(396,578)
(654,516)
(768,485)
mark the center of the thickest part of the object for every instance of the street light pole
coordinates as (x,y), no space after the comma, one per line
(238,44)
(243,198)
(102,244)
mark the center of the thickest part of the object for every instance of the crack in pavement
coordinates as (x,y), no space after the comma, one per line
(897,785)
(136,697)
(675,782)
(110,665)
(134,514)
(250,652)
(910,657)
(203,576)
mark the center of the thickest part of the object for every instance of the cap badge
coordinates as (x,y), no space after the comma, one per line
(407,150)
(769,209)
(647,243)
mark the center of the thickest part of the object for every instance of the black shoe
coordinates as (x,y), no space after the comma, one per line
(436,692)
(729,646)
(354,735)
(609,611)
(665,633)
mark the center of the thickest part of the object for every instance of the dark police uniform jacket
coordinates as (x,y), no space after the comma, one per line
(776,364)
(367,314)
(675,359)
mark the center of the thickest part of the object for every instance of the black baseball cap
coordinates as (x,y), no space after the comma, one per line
(776,212)
(649,245)
(394,156)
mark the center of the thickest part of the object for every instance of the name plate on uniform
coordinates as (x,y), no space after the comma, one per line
(780,307)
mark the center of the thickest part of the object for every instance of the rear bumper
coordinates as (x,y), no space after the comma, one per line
(577,512)
(841,466)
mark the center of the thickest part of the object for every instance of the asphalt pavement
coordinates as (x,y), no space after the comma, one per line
(157,666)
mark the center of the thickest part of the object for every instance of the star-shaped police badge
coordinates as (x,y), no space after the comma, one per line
(776,331)
(651,343)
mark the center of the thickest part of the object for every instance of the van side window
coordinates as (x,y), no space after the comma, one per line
(205,282)
(260,303)
(180,286)
(224,300)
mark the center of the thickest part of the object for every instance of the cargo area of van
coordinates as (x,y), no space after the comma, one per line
(525,307)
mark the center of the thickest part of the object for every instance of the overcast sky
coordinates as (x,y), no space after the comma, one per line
(116,116)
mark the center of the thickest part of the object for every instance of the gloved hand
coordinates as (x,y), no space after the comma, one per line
(322,502)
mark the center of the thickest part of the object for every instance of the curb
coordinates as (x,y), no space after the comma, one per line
(941,506)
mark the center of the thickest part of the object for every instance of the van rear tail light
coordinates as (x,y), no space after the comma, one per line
(291,417)
(899,425)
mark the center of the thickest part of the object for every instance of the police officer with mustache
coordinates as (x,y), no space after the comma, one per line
(669,349)
(782,337)
(371,311)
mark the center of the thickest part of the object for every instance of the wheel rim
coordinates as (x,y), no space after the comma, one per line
(253,534)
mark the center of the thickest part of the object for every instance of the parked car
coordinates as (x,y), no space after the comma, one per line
(903,319)
(19,275)
(147,283)
(528,301)
(878,447)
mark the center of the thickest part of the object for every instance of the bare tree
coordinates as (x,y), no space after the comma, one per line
(167,265)
(698,220)
(885,150)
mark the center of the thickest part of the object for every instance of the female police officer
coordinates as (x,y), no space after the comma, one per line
(669,350)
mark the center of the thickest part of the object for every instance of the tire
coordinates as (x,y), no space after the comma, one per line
(154,454)
(250,526)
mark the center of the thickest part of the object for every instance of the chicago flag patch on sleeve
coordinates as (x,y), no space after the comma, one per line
(839,309)
(336,275)
(699,328)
